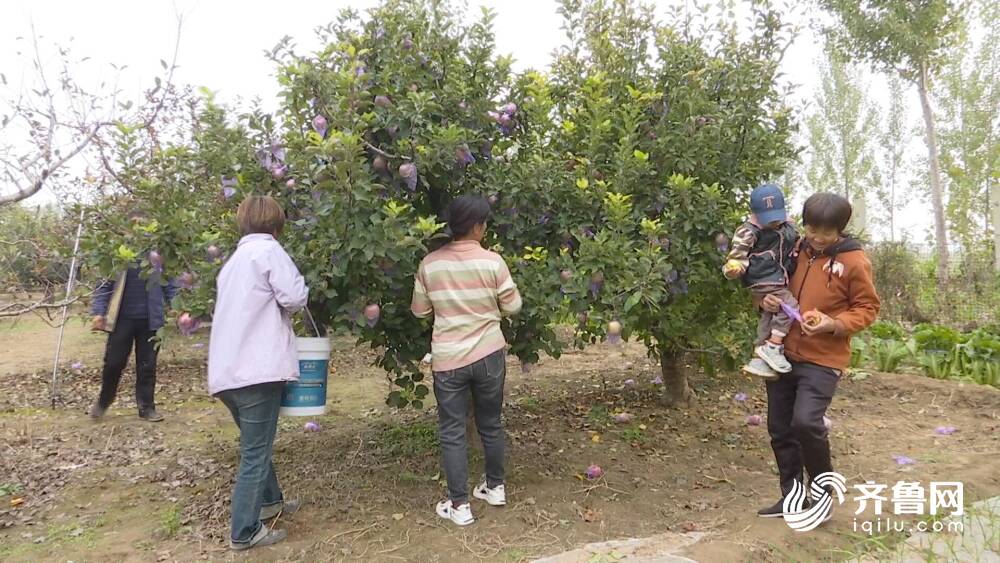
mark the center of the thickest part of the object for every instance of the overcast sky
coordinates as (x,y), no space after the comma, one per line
(223,41)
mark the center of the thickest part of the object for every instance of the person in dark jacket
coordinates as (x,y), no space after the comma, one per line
(762,255)
(139,316)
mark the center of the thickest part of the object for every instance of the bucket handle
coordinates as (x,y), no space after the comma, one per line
(311,321)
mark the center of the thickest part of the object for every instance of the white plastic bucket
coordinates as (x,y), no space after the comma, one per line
(307,396)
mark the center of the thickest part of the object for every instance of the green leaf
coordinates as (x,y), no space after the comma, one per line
(632,301)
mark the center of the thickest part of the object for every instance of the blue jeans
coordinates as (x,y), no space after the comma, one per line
(484,379)
(255,410)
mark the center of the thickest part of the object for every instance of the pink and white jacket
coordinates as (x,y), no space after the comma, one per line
(252,340)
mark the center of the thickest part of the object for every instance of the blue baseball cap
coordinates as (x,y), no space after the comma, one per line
(768,203)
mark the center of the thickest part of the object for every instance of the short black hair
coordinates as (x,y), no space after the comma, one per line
(827,210)
(465,212)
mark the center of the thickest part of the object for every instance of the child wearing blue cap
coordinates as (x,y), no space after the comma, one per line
(762,256)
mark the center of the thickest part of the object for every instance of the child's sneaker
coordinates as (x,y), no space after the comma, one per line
(496,496)
(774,355)
(759,368)
(461,515)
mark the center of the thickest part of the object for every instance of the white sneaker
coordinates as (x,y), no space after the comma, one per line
(496,496)
(774,355)
(461,515)
(759,368)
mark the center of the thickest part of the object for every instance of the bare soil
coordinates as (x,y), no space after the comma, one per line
(125,490)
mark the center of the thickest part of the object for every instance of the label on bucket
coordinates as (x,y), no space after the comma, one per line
(310,389)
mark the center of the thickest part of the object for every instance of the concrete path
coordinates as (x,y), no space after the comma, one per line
(978,539)
(655,549)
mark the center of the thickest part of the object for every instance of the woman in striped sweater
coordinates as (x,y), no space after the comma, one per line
(467,289)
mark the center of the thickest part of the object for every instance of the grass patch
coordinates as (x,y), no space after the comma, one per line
(63,538)
(414,439)
(634,435)
(530,404)
(599,415)
(170,521)
(9,489)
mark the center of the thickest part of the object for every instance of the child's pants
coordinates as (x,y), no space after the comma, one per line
(775,323)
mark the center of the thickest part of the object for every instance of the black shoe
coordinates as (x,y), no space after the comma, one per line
(777,510)
(151,415)
(97,411)
(774,511)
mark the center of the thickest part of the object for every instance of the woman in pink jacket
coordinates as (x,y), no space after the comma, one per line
(251,356)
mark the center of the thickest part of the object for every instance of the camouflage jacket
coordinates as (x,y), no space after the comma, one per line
(767,255)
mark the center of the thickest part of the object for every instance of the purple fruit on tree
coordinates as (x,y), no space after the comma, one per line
(596,283)
(614,332)
(408,171)
(566,276)
(187,324)
(382,101)
(463,156)
(407,43)
(319,125)
(510,108)
(372,314)
(213,252)
(380,164)
(722,242)
(186,280)
(290,184)
(581,318)
(493,199)
(278,171)
(505,120)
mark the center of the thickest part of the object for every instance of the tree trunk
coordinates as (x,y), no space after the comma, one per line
(994,194)
(676,392)
(937,198)
(892,202)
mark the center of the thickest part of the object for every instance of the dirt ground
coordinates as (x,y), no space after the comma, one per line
(126,490)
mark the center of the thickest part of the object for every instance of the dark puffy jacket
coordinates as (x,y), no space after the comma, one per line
(769,254)
(158,297)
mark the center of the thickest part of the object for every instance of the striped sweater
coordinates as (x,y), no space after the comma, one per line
(468,289)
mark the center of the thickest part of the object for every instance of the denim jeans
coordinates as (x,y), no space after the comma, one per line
(484,379)
(796,403)
(255,410)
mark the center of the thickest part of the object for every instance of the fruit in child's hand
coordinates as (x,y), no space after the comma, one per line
(734,265)
(614,328)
